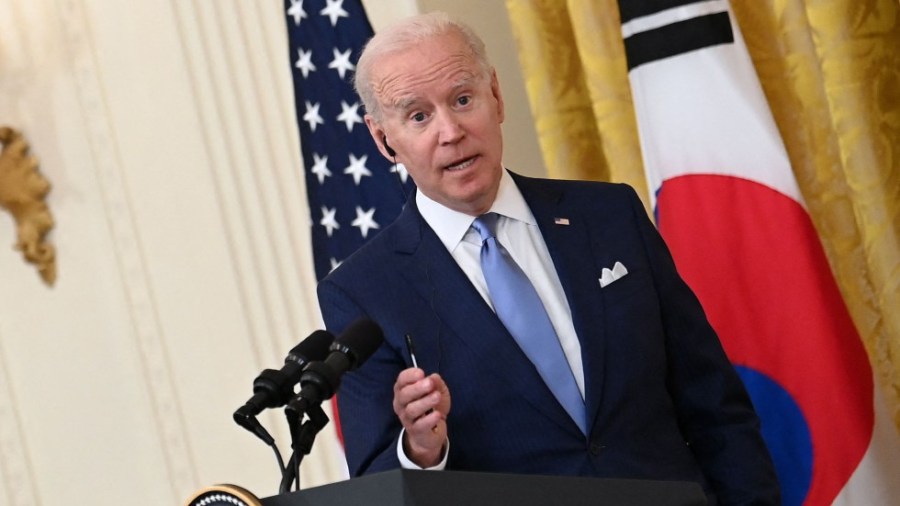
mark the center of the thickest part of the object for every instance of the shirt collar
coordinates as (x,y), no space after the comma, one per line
(451,226)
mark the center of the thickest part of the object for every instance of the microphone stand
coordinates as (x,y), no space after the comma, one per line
(303,435)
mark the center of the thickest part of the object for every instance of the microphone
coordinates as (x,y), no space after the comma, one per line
(320,380)
(272,388)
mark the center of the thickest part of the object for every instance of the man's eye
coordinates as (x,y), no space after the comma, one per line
(464,100)
(418,117)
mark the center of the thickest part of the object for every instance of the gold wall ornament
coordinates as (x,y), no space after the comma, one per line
(22,192)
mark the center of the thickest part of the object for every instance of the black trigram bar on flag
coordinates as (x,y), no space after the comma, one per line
(664,28)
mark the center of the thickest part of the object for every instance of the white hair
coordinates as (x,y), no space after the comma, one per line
(401,36)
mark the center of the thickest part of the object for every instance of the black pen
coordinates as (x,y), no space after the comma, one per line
(412,350)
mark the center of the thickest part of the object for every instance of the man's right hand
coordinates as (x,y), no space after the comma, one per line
(422,405)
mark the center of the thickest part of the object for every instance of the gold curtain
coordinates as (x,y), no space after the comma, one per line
(831,72)
(574,68)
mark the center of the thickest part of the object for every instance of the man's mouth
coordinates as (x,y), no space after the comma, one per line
(461,164)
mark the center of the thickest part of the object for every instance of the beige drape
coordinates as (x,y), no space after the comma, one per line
(831,72)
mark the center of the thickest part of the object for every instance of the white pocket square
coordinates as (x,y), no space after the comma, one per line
(608,276)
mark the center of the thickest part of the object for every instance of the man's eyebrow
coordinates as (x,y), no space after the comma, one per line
(465,81)
(404,103)
(407,102)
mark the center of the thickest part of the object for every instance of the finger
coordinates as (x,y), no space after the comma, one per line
(414,399)
(414,391)
(428,429)
(441,387)
(421,406)
(403,394)
(411,410)
(408,377)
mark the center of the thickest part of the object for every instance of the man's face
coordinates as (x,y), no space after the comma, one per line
(442,116)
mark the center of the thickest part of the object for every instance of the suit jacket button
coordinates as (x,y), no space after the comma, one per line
(596,448)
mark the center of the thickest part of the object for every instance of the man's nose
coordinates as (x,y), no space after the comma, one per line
(450,128)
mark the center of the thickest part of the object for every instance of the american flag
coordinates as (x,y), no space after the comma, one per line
(353,191)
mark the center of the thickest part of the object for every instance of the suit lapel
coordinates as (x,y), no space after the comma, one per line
(575,259)
(437,278)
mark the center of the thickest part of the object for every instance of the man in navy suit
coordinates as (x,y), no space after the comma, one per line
(659,397)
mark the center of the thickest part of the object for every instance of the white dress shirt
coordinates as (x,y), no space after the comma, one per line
(518,232)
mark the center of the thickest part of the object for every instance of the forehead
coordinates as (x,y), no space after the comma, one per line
(435,64)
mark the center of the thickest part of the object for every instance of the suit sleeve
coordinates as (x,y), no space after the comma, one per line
(714,411)
(370,429)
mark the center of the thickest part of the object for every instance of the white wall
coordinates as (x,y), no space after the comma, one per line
(167,131)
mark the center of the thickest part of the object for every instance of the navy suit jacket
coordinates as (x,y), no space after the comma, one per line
(662,399)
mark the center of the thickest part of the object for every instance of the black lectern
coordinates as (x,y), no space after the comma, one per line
(457,488)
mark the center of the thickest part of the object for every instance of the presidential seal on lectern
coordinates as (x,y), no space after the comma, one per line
(223,495)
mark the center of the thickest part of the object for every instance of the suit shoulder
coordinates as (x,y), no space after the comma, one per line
(372,257)
(362,260)
(593,192)
(572,184)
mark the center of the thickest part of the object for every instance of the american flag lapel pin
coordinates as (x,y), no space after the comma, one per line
(561,221)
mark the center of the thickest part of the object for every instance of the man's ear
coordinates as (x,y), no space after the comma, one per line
(378,135)
(498,95)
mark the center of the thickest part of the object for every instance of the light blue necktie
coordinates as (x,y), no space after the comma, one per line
(520,309)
